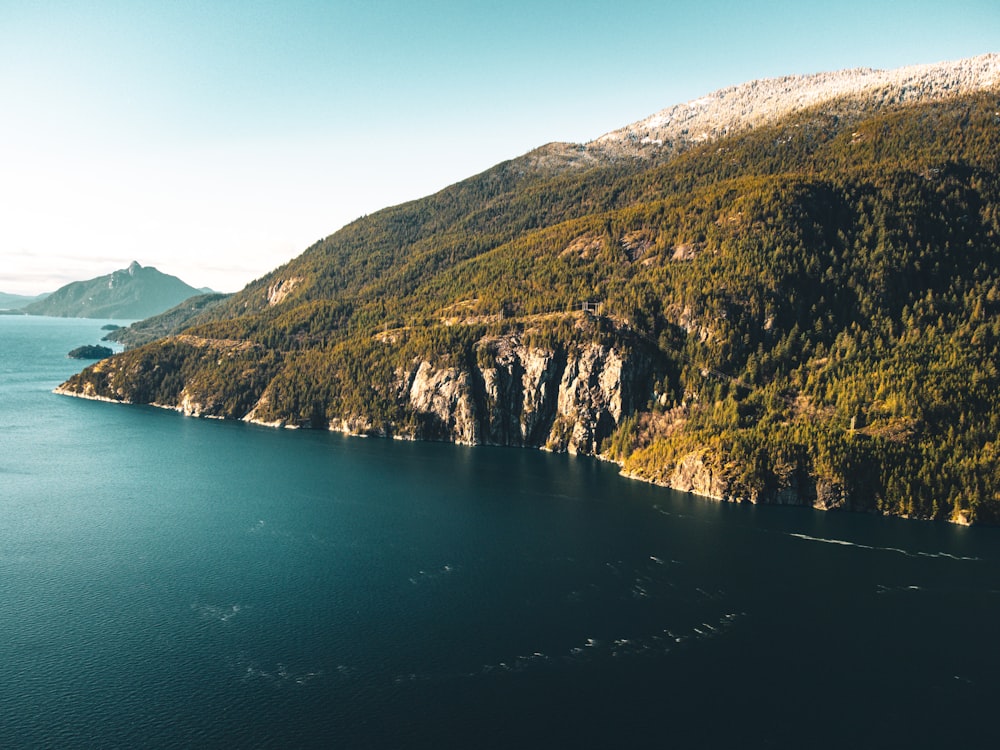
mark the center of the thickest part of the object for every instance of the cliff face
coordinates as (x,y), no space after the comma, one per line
(527,396)
(715,475)
(692,474)
(443,402)
(568,398)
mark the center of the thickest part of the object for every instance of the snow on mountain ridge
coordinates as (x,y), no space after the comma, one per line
(757,102)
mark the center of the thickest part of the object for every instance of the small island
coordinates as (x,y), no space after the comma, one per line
(91,351)
(110,327)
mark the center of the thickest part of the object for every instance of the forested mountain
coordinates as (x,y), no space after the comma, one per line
(130,293)
(803,308)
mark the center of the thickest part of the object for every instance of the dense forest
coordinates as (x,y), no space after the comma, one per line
(816,303)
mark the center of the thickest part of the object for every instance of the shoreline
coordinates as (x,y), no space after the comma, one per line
(347,431)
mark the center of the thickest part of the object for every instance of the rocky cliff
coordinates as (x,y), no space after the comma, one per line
(566,398)
(527,396)
(714,476)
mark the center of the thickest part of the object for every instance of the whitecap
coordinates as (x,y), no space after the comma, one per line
(883,589)
(907,553)
(216,612)
(948,555)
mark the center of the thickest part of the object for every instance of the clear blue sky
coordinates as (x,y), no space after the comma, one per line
(215,140)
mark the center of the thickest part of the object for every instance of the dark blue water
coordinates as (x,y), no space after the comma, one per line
(173,582)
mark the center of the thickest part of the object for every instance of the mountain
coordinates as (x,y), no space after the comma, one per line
(131,293)
(17,301)
(793,298)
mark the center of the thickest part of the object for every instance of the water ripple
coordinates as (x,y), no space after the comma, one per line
(907,553)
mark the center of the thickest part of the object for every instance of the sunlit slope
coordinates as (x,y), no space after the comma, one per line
(807,311)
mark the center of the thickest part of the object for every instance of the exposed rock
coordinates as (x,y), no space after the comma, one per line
(636,244)
(692,474)
(590,398)
(504,403)
(691,322)
(706,475)
(829,496)
(278,291)
(357,426)
(189,406)
(961,517)
(526,396)
(539,394)
(443,400)
(686,251)
(584,247)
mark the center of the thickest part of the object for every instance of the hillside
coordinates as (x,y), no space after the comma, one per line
(17,301)
(130,293)
(170,321)
(804,309)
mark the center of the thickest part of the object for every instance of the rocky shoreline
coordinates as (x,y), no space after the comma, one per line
(691,474)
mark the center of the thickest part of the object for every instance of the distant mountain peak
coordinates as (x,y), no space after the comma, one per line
(131,293)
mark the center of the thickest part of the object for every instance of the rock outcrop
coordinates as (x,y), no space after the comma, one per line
(443,402)
(711,475)
(527,396)
(693,474)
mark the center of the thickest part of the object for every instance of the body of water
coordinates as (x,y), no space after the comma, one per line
(174,582)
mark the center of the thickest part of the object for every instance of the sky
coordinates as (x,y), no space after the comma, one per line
(218,139)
